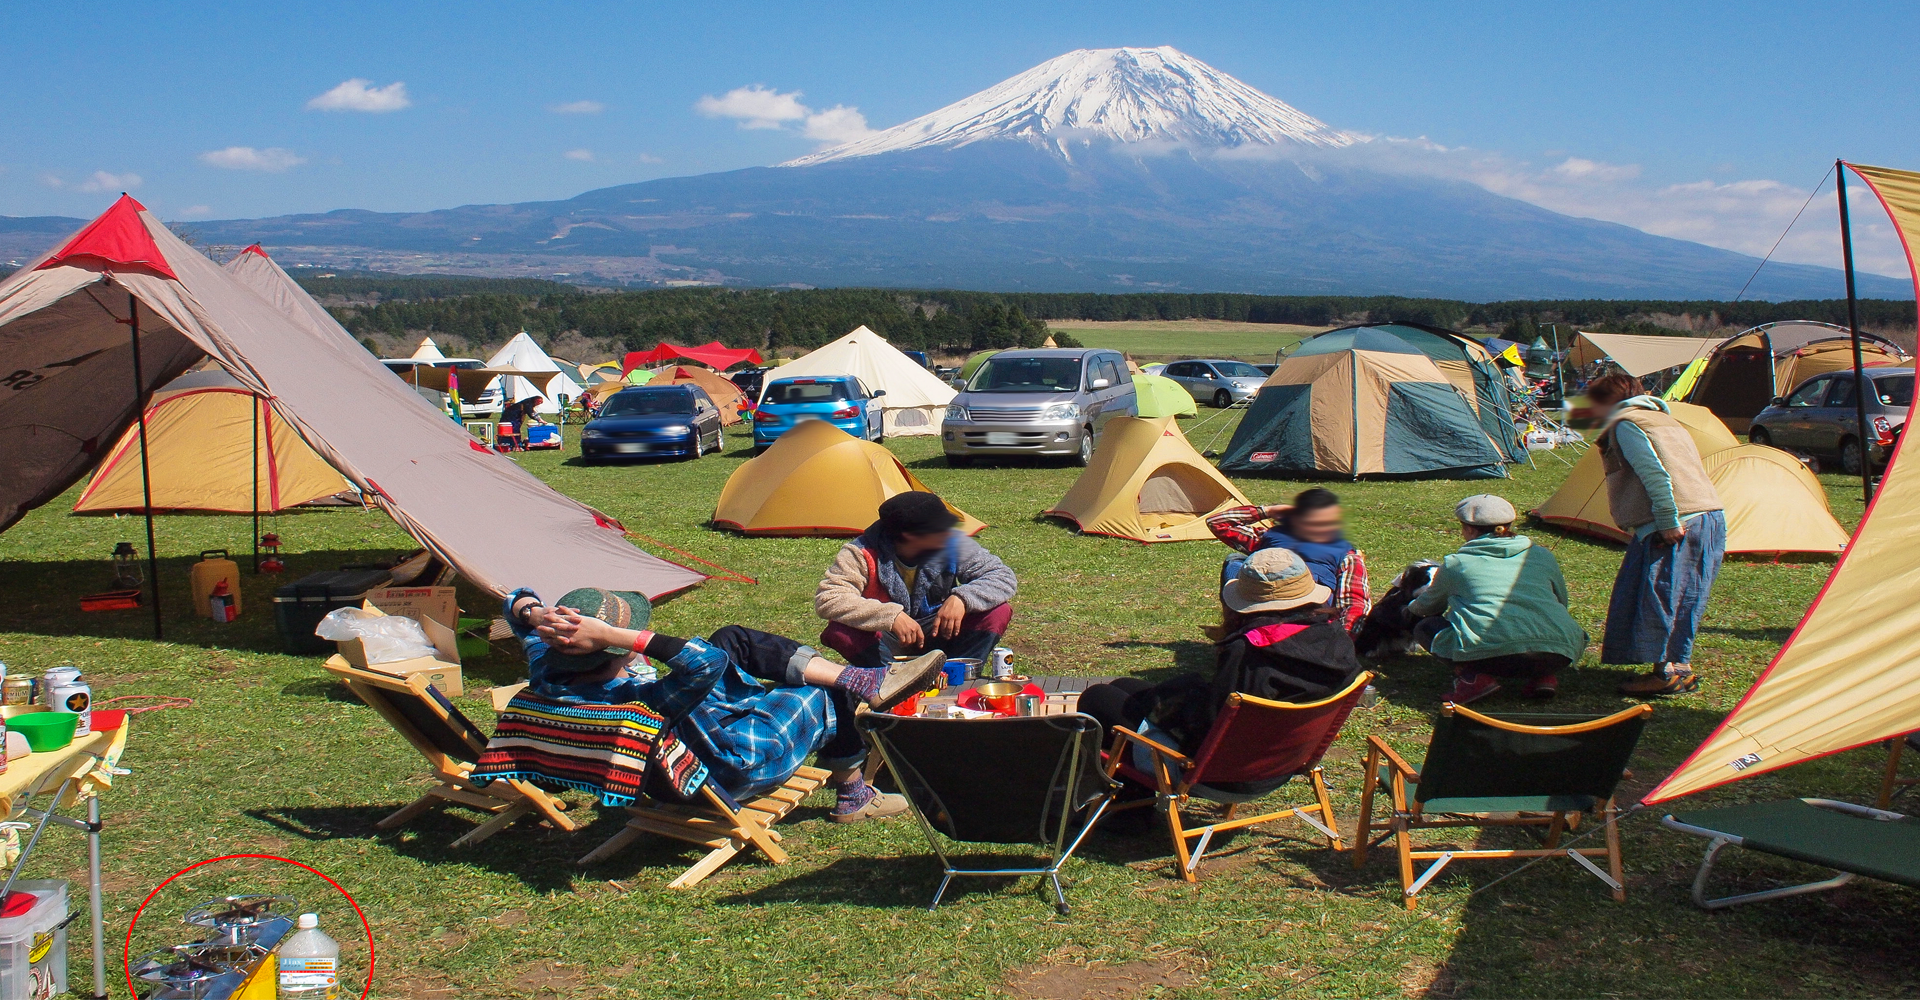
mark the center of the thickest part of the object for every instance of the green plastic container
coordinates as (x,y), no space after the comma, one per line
(45,730)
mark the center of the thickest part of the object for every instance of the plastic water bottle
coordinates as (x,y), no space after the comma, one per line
(309,963)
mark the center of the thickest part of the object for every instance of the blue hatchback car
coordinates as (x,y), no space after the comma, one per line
(841,400)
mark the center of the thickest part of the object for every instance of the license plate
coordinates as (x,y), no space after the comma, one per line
(1002,439)
(631,448)
(801,418)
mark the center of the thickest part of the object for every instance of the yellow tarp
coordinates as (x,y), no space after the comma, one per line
(1147,483)
(1850,674)
(817,480)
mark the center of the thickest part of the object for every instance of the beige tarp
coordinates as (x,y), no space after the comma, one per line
(817,480)
(1850,673)
(915,402)
(60,319)
(212,446)
(1639,355)
(474,381)
(1147,483)
(724,393)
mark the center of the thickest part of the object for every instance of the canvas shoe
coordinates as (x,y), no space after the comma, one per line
(905,679)
(1469,688)
(883,805)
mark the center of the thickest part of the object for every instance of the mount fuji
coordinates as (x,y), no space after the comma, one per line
(1103,170)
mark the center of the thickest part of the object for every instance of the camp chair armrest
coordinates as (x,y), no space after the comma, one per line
(1121,734)
(1393,758)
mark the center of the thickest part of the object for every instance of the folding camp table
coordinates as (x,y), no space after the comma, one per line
(1853,840)
(76,773)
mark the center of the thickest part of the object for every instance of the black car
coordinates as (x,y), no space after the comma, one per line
(651,420)
(750,382)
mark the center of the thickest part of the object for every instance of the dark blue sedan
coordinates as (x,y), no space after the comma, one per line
(653,421)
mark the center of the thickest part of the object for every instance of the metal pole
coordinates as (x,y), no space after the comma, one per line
(256,483)
(1853,326)
(146,477)
(93,898)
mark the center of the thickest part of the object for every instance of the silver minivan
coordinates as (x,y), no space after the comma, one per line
(1041,402)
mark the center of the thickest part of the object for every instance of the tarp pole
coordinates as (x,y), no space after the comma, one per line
(1853,326)
(256,484)
(146,478)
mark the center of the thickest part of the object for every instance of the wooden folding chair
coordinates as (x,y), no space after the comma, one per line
(452,744)
(1253,741)
(1537,772)
(716,822)
(1891,783)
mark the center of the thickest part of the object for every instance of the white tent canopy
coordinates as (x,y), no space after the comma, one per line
(522,354)
(1639,355)
(427,351)
(915,401)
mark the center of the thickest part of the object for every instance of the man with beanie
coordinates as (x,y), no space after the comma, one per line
(913,583)
(752,737)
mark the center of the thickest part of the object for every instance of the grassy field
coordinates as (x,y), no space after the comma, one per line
(274,758)
(1164,340)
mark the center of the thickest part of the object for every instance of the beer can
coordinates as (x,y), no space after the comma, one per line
(17,690)
(74,696)
(1002,663)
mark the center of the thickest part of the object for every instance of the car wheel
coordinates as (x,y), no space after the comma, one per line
(699,446)
(1086,448)
(959,461)
(1759,435)
(1222,399)
(1851,458)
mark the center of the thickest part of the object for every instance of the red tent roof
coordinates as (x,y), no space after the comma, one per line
(118,238)
(716,355)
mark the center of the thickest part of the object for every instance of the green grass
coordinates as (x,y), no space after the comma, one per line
(273,758)
(1163,340)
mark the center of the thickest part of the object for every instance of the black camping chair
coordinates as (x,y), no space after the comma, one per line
(1032,780)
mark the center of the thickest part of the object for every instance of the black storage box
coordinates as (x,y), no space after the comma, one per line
(299,606)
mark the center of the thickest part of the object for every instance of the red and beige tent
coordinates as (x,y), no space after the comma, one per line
(718,355)
(724,394)
(123,307)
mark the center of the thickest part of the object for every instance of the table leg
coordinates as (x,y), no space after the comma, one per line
(93,894)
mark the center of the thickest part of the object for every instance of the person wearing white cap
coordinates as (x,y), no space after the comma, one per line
(1497,608)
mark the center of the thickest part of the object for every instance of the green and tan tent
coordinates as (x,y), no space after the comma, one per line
(1363,401)
(1160,396)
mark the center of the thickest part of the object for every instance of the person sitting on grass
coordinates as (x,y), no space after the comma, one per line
(913,583)
(1312,527)
(1277,640)
(1497,608)
(752,737)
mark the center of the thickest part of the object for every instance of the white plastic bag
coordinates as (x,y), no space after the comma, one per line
(386,638)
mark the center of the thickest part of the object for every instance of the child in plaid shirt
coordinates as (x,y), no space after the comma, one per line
(1311,526)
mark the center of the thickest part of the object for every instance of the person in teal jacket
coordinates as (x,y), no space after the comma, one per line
(1497,608)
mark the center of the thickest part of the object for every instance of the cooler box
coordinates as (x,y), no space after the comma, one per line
(33,943)
(213,569)
(299,606)
(543,436)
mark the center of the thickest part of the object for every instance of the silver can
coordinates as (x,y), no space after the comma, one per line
(66,692)
(1002,663)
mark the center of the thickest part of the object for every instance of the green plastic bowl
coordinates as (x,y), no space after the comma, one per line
(46,730)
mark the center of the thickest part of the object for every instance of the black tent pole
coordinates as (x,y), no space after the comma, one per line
(1853,326)
(256,482)
(146,477)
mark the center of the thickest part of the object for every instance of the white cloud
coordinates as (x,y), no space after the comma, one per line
(578,108)
(766,108)
(649,158)
(272,160)
(194,212)
(836,125)
(359,94)
(52,180)
(100,180)
(583,155)
(1575,168)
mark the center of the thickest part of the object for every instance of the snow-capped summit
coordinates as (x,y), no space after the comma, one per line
(1130,95)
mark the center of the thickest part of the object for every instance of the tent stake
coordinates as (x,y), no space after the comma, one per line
(146,479)
(1853,325)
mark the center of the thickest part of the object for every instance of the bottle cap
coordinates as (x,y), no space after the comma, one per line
(309,921)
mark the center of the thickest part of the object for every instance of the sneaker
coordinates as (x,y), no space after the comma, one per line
(1659,683)
(1469,688)
(1542,687)
(883,805)
(906,679)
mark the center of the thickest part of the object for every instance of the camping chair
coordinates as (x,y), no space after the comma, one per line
(1026,780)
(1252,740)
(1527,771)
(717,822)
(452,744)
(1892,784)
(1853,840)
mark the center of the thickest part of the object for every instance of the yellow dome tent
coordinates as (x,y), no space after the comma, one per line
(1147,483)
(1160,396)
(208,438)
(817,480)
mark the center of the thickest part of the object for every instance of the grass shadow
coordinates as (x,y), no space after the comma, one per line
(903,883)
(1189,656)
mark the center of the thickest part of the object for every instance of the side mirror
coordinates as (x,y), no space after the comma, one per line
(1101,383)
(877,393)
(1778,401)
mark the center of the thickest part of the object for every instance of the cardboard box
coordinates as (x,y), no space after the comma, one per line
(441,670)
(418,603)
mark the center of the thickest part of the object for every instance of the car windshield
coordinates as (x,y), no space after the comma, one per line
(1895,390)
(1237,369)
(646,404)
(1027,375)
(806,392)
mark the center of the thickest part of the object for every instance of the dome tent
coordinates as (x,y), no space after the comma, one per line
(915,402)
(1472,369)
(1747,371)
(817,480)
(1147,483)
(1159,396)
(1362,401)
(724,394)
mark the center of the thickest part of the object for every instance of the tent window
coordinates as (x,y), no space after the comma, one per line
(1180,489)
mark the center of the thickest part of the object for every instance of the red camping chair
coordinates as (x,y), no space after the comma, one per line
(1252,740)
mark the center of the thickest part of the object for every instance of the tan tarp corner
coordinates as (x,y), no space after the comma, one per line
(211,445)
(1639,355)
(1849,675)
(916,400)
(724,393)
(1147,483)
(817,480)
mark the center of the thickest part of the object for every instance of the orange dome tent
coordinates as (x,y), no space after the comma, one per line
(817,480)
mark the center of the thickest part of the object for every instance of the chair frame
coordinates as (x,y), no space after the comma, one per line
(1891,783)
(1719,841)
(717,822)
(1175,774)
(505,801)
(1407,816)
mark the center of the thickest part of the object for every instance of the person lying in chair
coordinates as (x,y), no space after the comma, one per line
(751,736)
(912,583)
(1278,640)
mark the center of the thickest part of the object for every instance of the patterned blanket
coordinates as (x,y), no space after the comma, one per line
(603,749)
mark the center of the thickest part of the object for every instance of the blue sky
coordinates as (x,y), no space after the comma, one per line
(1705,121)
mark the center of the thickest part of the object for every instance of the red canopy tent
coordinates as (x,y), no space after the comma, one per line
(715,355)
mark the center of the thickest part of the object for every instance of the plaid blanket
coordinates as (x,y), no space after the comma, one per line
(603,749)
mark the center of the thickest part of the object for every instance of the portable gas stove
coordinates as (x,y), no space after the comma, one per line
(233,961)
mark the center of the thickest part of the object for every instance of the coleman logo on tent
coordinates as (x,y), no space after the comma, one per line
(1263,456)
(1742,763)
